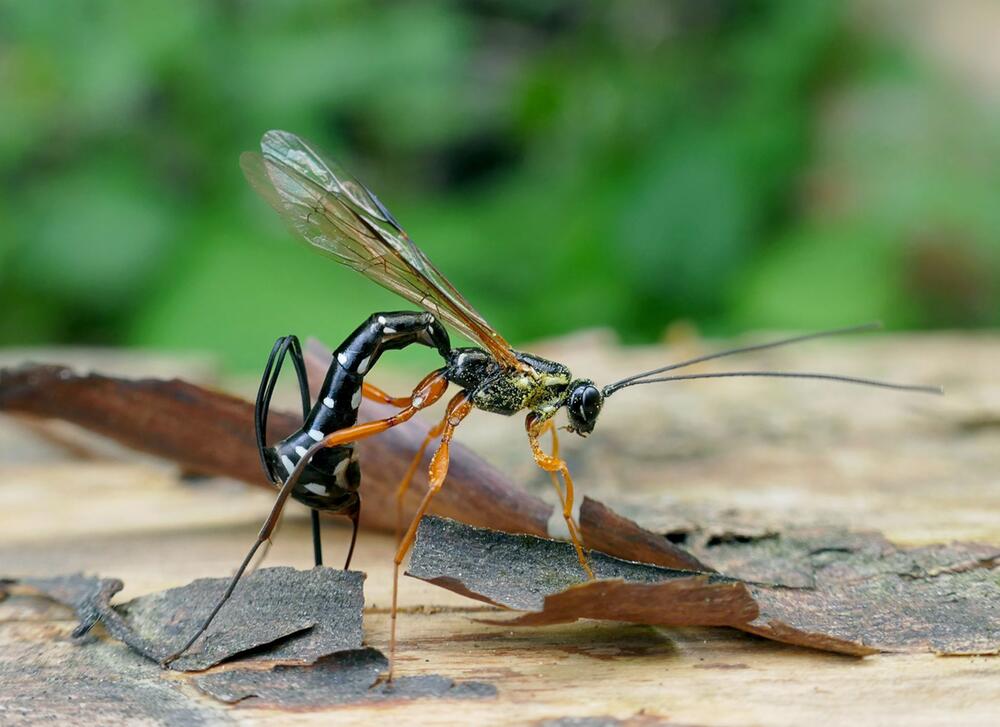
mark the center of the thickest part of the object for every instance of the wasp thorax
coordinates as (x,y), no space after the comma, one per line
(583,405)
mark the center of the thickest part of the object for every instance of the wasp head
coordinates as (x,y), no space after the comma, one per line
(583,405)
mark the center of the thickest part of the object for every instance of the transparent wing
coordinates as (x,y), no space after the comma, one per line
(336,213)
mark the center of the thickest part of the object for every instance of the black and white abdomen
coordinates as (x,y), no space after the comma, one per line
(329,482)
(331,479)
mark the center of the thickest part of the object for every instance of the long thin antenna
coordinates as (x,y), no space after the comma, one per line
(874,325)
(608,390)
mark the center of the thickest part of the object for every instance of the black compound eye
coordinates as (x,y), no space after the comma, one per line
(591,404)
(584,405)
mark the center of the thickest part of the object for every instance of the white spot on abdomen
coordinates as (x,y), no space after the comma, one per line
(381,320)
(289,465)
(389,329)
(315,489)
(316,434)
(328,402)
(339,470)
(342,358)
(363,366)
(356,399)
(301,451)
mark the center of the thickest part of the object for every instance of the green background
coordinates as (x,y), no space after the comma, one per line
(782,164)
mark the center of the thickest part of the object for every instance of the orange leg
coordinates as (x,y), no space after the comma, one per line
(458,408)
(429,390)
(376,394)
(404,484)
(553,464)
(550,426)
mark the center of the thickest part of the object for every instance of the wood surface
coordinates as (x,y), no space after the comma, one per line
(920,469)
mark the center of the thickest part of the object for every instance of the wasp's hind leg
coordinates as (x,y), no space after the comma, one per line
(458,408)
(286,345)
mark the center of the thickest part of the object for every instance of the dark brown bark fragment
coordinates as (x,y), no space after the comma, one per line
(943,599)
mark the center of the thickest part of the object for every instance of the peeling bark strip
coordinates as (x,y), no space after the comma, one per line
(281,615)
(942,599)
(678,601)
(204,431)
(345,678)
(212,433)
(608,532)
(88,596)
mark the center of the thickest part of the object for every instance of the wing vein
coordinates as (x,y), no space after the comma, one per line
(342,218)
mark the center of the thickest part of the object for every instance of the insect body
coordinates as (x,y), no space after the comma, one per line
(340,217)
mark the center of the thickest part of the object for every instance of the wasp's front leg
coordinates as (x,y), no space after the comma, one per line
(553,464)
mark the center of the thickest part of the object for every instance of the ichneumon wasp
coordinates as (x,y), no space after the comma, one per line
(316,465)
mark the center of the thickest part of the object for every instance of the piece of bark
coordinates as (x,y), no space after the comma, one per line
(739,544)
(55,682)
(854,585)
(677,601)
(344,678)
(276,615)
(210,432)
(544,577)
(941,599)
(303,615)
(88,596)
(342,673)
(608,532)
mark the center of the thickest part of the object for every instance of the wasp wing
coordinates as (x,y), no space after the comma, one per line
(337,214)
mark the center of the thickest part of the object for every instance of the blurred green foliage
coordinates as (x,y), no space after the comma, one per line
(567,164)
